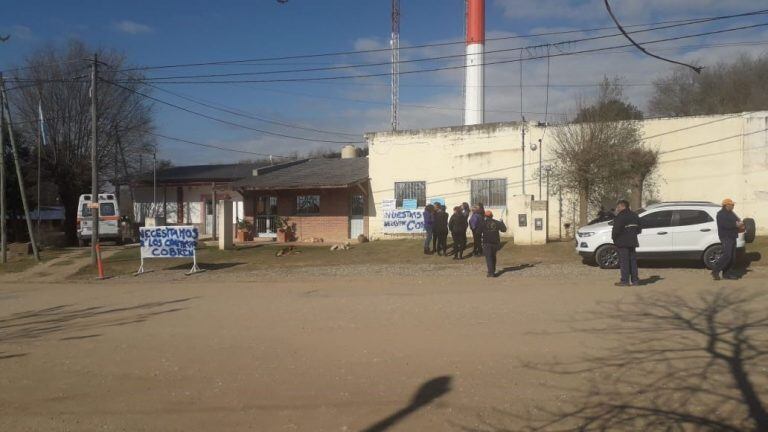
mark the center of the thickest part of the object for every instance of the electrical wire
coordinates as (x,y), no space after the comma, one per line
(227,122)
(492,63)
(425,59)
(215,147)
(376,50)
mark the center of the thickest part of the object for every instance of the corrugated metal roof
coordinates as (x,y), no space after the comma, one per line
(203,173)
(310,174)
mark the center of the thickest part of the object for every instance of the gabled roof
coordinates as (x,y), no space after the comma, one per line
(313,173)
(203,173)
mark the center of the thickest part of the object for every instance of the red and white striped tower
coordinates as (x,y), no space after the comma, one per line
(474,92)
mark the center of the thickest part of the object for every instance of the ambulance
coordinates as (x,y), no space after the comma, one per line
(109,219)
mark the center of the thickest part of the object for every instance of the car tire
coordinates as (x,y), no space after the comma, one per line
(750,230)
(712,255)
(607,257)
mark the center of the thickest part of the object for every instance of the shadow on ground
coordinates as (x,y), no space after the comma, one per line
(207,266)
(673,365)
(429,392)
(68,319)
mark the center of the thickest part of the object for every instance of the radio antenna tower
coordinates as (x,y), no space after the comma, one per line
(395,45)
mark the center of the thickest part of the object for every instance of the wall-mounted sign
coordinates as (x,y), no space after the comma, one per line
(538,224)
(410,204)
(522,220)
(403,222)
(439,200)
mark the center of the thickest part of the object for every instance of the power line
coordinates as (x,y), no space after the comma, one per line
(434,58)
(227,122)
(438,69)
(430,45)
(215,147)
(247,115)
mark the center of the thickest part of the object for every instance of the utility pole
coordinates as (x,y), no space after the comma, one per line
(522,153)
(540,172)
(40,143)
(395,45)
(3,239)
(94,160)
(154,183)
(17,163)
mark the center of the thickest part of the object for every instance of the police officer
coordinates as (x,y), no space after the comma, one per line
(491,238)
(728,226)
(626,227)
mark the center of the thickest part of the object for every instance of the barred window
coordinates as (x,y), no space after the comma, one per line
(308,204)
(491,192)
(416,190)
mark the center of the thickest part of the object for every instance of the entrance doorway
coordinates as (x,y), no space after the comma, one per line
(356,216)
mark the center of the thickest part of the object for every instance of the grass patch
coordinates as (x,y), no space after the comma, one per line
(20,263)
(384,252)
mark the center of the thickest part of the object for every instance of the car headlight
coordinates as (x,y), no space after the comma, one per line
(586,234)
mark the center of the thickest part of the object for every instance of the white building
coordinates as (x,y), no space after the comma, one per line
(704,158)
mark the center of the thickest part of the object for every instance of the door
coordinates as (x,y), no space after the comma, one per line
(656,235)
(694,230)
(209,216)
(356,216)
(266,216)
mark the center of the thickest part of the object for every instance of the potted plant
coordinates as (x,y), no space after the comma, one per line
(244,232)
(284,231)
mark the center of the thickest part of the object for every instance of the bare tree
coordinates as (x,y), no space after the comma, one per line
(724,88)
(641,163)
(59,82)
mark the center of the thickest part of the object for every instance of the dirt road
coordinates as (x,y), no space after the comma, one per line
(432,351)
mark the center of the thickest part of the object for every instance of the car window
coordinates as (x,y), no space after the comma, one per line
(692,217)
(85,211)
(107,209)
(657,219)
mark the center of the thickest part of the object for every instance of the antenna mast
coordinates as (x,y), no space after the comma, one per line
(395,45)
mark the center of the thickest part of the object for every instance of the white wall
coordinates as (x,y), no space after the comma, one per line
(193,204)
(701,158)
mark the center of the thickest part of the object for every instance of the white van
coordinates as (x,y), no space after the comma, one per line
(109,219)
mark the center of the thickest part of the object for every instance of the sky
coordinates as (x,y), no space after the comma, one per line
(169,32)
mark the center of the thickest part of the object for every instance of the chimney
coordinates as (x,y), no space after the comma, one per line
(474,94)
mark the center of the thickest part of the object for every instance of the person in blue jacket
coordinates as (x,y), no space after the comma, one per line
(728,226)
(429,222)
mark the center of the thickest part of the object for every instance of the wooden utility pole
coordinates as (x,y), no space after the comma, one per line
(94,160)
(3,240)
(17,163)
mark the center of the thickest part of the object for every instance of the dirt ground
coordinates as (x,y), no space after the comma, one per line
(364,347)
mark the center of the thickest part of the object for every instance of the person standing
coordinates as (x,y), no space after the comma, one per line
(475,222)
(466,211)
(429,222)
(626,227)
(728,226)
(491,240)
(441,229)
(458,227)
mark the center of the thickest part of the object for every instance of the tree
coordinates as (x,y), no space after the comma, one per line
(599,156)
(724,88)
(641,162)
(60,82)
(609,105)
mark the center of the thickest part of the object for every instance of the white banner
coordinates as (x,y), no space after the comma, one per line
(168,241)
(403,221)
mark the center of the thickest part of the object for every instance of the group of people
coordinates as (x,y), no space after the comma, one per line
(486,239)
(626,227)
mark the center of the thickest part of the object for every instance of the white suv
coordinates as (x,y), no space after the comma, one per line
(671,230)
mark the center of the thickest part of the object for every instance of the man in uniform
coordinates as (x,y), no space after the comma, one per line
(490,229)
(626,227)
(728,226)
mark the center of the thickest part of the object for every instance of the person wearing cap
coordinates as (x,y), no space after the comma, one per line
(728,226)
(626,227)
(458,227)
(491,239)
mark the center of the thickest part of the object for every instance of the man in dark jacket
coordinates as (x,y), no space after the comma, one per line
(490,229)
(458,227)
(728,226)
(441,229)
(475,223)
(626,227)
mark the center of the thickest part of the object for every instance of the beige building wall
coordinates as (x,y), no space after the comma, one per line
(702,158)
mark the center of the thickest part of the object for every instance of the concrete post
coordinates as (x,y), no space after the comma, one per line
(225,225)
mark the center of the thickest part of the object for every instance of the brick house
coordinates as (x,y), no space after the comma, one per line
(324,199)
